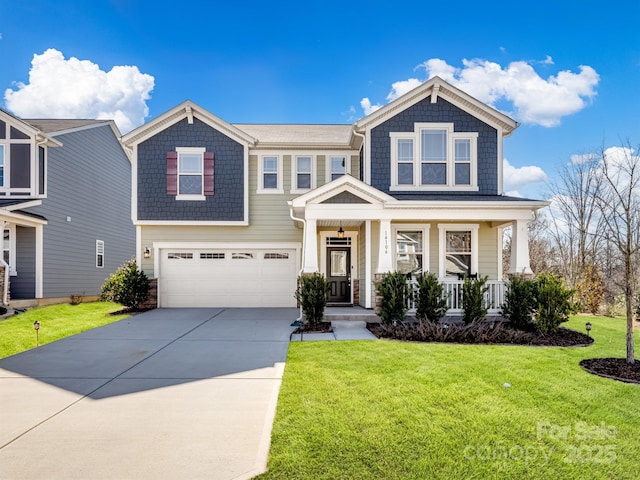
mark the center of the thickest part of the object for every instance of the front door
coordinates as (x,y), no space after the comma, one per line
(339,274)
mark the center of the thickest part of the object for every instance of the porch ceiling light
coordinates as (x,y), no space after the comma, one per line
(340,232)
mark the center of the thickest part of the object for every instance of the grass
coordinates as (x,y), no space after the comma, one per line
(56,321)
(392,410)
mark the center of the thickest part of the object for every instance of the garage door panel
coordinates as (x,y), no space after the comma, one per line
(247,277)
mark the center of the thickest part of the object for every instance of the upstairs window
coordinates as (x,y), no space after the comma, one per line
(190,173)
(338,166)
(434,157)
(303,173)
(270,174)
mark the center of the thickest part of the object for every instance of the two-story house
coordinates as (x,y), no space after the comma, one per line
(230,215)
(65,200)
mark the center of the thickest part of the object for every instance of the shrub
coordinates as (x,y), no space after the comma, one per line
(520,302)
(477,332)
(590,289)
(473,304)
(128,286)
(431,303)
(553,303)
(313,294)
(395,291)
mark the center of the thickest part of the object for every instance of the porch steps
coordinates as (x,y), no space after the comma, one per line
(350,314)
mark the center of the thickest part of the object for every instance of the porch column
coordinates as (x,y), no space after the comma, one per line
(520,249)
(310,247)
(385,263)
(368,279)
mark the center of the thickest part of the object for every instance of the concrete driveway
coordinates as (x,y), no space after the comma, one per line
(170,393)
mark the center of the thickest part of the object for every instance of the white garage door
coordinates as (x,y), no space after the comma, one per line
(243,277)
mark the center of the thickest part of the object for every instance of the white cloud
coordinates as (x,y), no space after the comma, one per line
(515,178)
(365,103)
(532,98)
(61,88)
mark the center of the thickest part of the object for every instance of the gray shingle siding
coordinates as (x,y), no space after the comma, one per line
(442,111)
(227,203)
(89,180)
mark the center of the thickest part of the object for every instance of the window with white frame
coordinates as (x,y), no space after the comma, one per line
(338,166)
(190,172)
(99,254)
(303,173)
(411,250)
(458,250)
(270,174)
(434,157)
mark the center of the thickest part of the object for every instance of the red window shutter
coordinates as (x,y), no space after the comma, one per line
(208,173)
(172,173)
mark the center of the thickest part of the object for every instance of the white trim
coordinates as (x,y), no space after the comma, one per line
(294,172)
(443,229)
(279,175)
(39,261)
(422,227)
(368,276)
(139,246)
(234,223)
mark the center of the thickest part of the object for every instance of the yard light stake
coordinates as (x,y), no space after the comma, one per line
(36,327)
(588,327)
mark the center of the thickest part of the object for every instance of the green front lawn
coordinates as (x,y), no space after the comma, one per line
(56,322)
(392,410)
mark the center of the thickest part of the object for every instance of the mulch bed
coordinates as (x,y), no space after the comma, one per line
(322,327)
(615,368)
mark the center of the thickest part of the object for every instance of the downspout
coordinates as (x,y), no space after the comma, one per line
(364,160)
(304,238)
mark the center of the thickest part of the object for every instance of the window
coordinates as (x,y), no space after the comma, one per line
(458,250)
(446,159)
(9,248)
(190,173)
(411,248)
(179,256)
(276,256)
(270,174)
(338,166)
(303,173)
(241,256)
(99,253)
(212,256)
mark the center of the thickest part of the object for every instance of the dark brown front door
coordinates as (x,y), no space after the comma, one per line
(339,274)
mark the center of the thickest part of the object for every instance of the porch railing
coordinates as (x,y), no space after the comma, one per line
(493,298)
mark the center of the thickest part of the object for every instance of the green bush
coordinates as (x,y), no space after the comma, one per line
(520,302)
(554,303)
(473,304)
(431,303)
(395,291)
(313,294)
(128,286)
(590,289)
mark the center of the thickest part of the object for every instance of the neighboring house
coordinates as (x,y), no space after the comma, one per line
(65,204)
(229,215)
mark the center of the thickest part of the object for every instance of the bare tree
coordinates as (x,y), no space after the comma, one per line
(575,216)
(619,203)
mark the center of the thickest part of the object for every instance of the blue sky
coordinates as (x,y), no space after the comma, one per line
(569,74)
